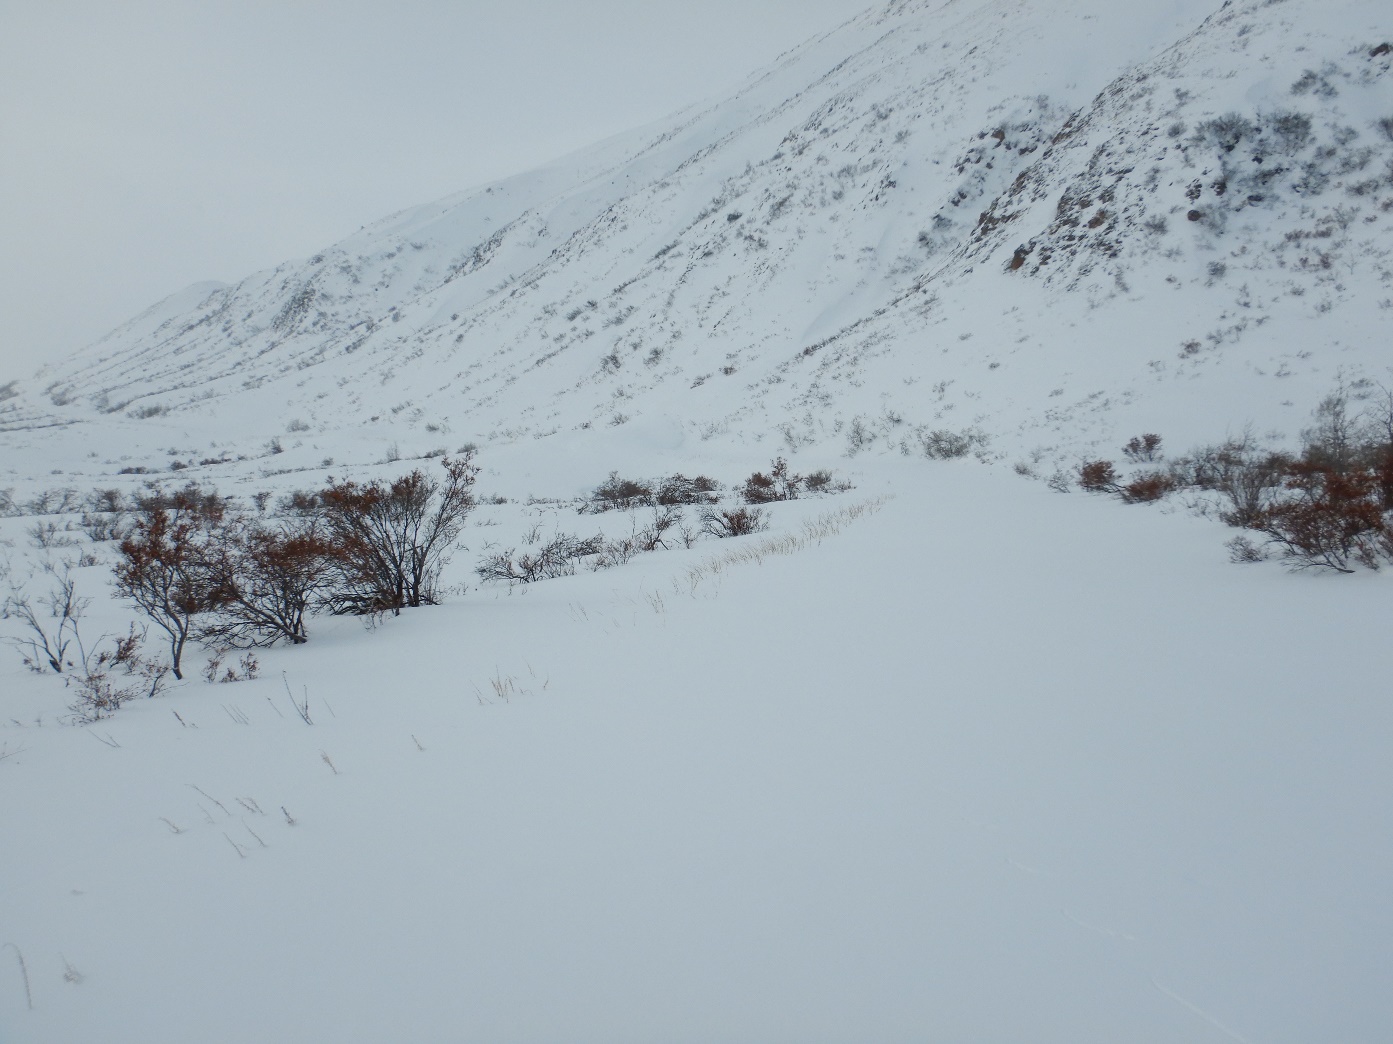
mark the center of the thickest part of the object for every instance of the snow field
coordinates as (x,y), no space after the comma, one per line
(990,763)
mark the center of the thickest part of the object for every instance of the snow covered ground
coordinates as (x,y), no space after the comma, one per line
(990,763)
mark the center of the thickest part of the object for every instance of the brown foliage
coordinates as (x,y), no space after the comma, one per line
(163,563)
(1332,520)
(391,539)
(1098,476)
(740,521)
(264,581)
(621,493)
(779,484)
(1143,489)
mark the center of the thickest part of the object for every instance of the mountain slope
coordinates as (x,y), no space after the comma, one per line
(1065,220)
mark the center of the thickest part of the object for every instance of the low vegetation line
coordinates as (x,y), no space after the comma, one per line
(814,531)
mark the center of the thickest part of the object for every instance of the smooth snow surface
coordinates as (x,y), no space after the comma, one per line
(989,764)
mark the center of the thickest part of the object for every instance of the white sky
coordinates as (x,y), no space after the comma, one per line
(147,145)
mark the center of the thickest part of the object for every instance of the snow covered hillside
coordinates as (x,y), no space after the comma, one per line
(1055,222)
(940,754)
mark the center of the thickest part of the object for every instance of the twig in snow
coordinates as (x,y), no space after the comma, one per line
(302,709)
(24,974)
(289,819)
(240,851)
(211,798)
(418,744)
(329,761)
(173,828)
(71,974)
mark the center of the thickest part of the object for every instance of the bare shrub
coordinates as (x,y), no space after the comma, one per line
(53,639)
(618,552)
(191,497)
(44,535)
(101,527)
(391,539)
(1333,443)
(1099,476)
(54,502)
(617,493)
(778,484)
(1141,449)
(1381,463)
(111,673)
(297,502)
(658,532)
(1148,487)
(678,489)
(1248,477)
(943,444)
(1243,551)
(263,582)
(114,676)
(1327,508)
(163,563)
(105,501)
(246,670)
(1332,520)
(741,521)
(688,534)
(642,539)
(556,558)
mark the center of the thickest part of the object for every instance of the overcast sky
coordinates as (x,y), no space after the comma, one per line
(147,145)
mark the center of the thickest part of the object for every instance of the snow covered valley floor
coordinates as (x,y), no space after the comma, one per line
(989,764)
